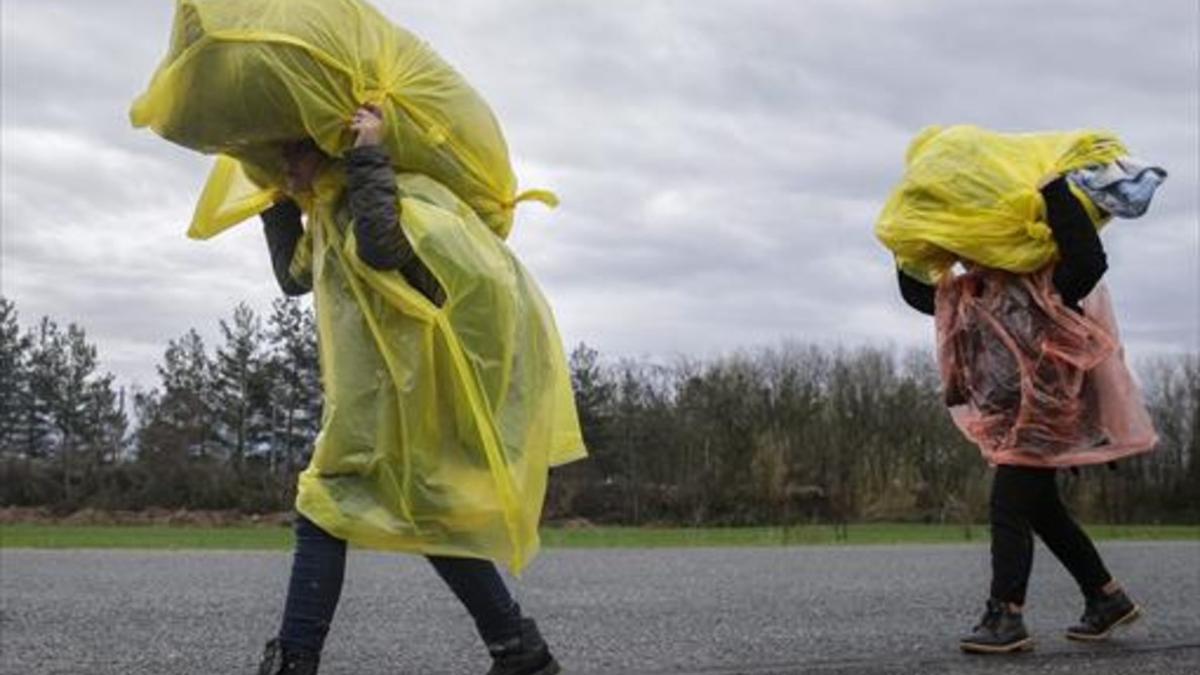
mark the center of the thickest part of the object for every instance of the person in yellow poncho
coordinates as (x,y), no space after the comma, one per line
(371,204)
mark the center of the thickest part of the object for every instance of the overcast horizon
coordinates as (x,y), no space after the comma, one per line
(721,164)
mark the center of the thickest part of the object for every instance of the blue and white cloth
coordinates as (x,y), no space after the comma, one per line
(1123,188)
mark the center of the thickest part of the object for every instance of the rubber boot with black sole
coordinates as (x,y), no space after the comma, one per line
(279,660)
(1000,631)
(523,654)
(1102,615)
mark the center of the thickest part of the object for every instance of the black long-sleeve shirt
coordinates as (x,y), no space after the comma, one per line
(281,224)
(1082,261)
(371,190)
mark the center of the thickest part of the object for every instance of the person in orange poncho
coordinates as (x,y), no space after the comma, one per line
(1022,362)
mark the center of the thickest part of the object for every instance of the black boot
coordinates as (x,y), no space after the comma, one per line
(1102,614)
(999,632)
(524,654)
(280,661)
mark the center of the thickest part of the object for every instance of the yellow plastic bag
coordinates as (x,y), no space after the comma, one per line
(440,423)
(243,76)
(973,194)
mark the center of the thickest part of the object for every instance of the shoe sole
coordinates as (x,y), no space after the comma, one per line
(1013,647)
(1130,617)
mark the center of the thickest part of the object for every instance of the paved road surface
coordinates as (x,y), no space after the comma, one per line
(860,610)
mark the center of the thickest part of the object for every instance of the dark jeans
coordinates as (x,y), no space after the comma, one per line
(1025,499)
(319,567)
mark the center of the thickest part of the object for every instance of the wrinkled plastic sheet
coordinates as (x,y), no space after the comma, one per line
(244,77)
(440,422)
(1033,382)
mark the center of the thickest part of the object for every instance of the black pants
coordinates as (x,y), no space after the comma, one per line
(1025,499)
(318,569)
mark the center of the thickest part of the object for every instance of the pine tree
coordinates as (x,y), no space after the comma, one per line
(177,419)
(240,405)
(14,380)
(47,368)
(80,399)
(106,421)
(295,384)
(65,396)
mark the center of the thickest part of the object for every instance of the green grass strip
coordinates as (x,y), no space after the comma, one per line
(265,538)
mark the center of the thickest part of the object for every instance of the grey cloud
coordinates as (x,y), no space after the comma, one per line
(721,163)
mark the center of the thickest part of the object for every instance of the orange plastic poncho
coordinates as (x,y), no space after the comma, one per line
(1032,382)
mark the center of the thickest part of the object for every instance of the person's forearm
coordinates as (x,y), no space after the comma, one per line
(283,229)
(1082,261)
(371,185)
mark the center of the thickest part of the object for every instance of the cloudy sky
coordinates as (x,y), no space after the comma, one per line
(720,162)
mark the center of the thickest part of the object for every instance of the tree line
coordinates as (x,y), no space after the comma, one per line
(787,435)
(223,429)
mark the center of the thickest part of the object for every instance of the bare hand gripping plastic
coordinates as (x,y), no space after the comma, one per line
(969,194)
(243,76)
(1032,382)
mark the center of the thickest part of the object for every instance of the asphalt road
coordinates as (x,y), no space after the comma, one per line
(861,610)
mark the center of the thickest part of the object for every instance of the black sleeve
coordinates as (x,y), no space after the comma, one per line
(1081,256)
(918,295)
(283,228)
(371,185)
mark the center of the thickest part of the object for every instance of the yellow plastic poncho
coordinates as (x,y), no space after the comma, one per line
(973,194)
(243,76)
(440,424)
